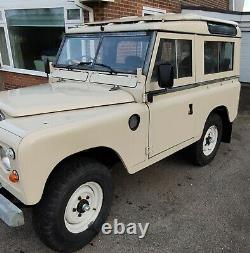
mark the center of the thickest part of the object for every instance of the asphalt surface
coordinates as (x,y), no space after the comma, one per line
(190,209)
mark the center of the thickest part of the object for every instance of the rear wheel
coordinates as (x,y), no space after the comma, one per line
(205,150)
(75,205)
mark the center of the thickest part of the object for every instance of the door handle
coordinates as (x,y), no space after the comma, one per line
(191,109)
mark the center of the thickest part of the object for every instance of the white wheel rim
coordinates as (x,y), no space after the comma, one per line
(210,140)
(83,207)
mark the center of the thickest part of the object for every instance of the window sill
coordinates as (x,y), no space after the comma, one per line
(23,71)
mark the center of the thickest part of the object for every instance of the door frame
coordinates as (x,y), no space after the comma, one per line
(152,86)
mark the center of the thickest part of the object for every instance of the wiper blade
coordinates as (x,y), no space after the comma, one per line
(71,66)
(111,70)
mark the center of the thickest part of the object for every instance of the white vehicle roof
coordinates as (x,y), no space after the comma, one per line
(182,23)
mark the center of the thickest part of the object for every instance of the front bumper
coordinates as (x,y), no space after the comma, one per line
(9,213)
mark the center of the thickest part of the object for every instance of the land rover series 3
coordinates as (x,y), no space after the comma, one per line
(133,89)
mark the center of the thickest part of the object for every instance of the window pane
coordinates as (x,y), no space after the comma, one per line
(184,58)
(166,54)
(36,17)
(31,46)
(226,56)
(35,35)
(124,54)
(3,47)
(73,14)
(218,56)
(211,54)
(76,50)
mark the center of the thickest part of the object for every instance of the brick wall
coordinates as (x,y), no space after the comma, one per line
(15,80)
(120,8)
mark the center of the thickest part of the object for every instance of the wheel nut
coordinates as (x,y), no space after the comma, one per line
(86,208)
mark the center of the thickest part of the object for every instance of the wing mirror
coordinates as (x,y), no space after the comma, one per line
(166,75)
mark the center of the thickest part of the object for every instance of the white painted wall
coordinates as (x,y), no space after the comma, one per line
(237,5)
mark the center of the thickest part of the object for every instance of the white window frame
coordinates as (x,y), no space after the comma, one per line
(31,4)
(73,21)
(3,24)
(153,11)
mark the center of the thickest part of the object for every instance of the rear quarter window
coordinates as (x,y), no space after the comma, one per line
(218,56)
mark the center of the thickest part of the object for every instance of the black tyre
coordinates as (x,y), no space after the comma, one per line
(75,204)
(205,150)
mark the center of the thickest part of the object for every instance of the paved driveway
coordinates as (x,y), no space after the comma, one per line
(190,209)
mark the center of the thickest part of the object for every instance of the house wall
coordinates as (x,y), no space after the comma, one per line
(109,10)
(11,80)
(120,8)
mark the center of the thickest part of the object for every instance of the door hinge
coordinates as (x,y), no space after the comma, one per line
(147,151)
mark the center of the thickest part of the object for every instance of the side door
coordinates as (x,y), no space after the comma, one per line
(172,111)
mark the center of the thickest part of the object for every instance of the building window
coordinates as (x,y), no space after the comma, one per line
(152,11)
(73,14)
(218,56)
(178,53)
(35,36)
(3,48)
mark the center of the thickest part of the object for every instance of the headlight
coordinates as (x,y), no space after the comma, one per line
(7,154)
(6,163)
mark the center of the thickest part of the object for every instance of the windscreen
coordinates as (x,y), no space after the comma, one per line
(121,53)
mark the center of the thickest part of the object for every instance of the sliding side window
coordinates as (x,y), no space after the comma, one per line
(218,56)
(178,53)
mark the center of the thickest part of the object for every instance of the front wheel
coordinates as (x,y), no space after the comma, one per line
(205,150)
(75,205)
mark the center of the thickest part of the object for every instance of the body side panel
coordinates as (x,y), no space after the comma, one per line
(43,150)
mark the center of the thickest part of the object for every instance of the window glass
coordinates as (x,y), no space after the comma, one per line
(175,52)
(129,54)
(36,17)
(184,58)
(224,29)
(122,52)
(78,49)
(166,54)
(218,56)
(73,14)
(226,56)
(35,36)
(3,48)
(211,57)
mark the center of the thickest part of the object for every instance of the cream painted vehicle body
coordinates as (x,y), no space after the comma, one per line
(90,109)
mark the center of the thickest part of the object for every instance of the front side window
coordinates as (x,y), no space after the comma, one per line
(218,56)
(178,53)
(123,53)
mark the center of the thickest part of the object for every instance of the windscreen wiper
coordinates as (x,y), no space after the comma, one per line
(111,70)
(72,66)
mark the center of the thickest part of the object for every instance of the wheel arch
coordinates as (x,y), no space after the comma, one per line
(104,155)
(223,112)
